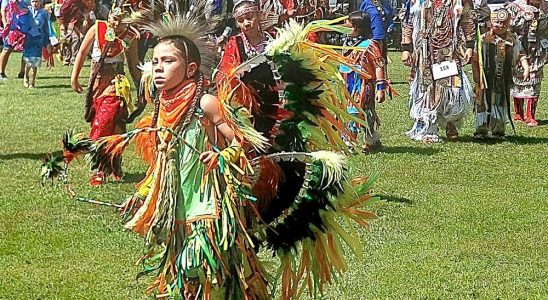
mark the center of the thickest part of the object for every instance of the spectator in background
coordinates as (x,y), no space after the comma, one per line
(12,38)
(37,36)
(381,14)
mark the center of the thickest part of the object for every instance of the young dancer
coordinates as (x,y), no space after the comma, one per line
(500,54)
(368,57)
(108,99)
(526,24)
(37,37)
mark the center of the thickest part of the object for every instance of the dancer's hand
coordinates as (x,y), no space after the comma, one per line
(526,74)
(206,156)
(75,84)
(467,56)
(380,96)
(406,58)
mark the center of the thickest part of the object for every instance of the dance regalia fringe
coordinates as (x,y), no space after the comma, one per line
(204,224)
(301,189)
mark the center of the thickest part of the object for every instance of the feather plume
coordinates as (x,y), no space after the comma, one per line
(74,145)
(51,168)
(196,24)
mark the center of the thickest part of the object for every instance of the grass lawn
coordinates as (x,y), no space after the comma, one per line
(461,220)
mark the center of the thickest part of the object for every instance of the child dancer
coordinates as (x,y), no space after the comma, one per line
(37,36)
(499,54)
(527,22)
(106,103)
(369,58)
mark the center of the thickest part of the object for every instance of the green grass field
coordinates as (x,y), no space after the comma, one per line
(461,220)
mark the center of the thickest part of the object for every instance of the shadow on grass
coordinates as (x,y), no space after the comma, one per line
(31,156)
(542,122)
(411,150)
(395,199)
(527,140)
(471,139)
(55,77)
(514,139)
(54,86)
(134,177)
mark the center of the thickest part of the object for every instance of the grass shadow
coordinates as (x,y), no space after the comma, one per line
(54,86)
(514,139)
(412,150)
(527,140)
(134,177)
(31,156)
(399,82)
(471,139)
(55,77)
(395,199)
(542,122)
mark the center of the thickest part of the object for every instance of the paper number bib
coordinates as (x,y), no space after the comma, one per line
(444,69)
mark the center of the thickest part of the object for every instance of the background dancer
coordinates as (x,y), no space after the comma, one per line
(439,89)
(531,34)
(108,98)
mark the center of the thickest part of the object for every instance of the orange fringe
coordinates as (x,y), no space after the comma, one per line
(266,187)
(145,142)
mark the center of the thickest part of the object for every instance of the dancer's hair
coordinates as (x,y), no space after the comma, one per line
(362,22)
(188,49)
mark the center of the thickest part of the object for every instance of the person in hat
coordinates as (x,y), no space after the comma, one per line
(500,52)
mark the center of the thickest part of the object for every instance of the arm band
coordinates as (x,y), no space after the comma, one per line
(407,47)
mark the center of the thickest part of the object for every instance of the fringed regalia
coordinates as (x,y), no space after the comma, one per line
(368,57)
(525,24)
(433,33)
(530,26)
(110,90)
(300,188)
(492,104)
(274,187)
(72,15)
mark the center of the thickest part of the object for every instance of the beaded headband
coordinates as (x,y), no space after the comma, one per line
(250,9)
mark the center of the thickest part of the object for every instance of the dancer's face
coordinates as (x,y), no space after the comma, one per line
(499,28)
(249,23)
(114,20)
(35,3)
(169,67)
(355,32)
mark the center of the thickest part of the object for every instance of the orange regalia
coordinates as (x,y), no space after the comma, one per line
(286,192)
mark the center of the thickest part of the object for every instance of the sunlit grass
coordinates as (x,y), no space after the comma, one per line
(461,220)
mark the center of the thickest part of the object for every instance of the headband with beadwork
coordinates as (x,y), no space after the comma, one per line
(242,11)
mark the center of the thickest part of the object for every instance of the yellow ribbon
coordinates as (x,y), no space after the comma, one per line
(123,90)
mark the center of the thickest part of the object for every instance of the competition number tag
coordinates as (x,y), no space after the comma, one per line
(445,69)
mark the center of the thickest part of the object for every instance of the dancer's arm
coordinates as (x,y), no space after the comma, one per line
(210,106)
(132,58)
(525,64)
(80,59)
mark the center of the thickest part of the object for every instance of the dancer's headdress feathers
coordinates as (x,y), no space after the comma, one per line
(197,24)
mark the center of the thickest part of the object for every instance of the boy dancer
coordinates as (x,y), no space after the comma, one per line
(106,106)
(499,54)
